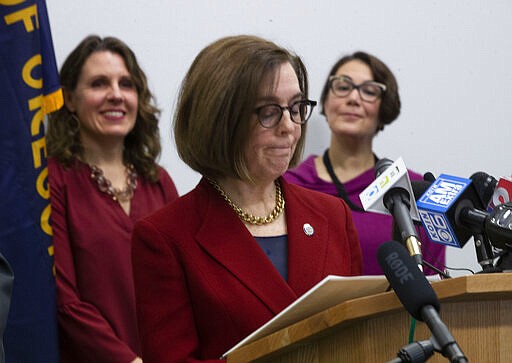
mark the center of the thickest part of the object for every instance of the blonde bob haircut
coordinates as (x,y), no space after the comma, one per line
(216,103)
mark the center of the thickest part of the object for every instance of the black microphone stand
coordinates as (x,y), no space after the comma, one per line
(442,339)
(421,351)
(396,201)
(504,262)
(397,236)
(484,253)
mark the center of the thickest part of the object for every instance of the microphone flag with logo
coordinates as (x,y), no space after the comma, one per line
(394,176)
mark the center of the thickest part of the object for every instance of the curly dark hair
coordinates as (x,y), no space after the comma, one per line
(141,146)
(390,102)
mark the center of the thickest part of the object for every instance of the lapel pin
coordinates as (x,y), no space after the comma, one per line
(308,229)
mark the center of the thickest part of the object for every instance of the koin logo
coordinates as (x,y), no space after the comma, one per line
(437,227)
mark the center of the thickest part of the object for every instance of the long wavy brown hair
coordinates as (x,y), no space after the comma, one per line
(141,146)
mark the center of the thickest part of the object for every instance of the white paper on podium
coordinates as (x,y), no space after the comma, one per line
(331,291)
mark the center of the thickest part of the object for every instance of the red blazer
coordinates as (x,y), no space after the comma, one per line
(203,283)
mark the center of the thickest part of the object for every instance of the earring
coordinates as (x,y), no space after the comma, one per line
(75,123)
(76,120)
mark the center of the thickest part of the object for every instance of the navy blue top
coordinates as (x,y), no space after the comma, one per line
(276,248)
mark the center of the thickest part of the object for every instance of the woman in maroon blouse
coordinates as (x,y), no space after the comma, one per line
(103,177)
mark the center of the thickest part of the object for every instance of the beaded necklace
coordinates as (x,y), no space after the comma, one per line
(105,185)
(249,218)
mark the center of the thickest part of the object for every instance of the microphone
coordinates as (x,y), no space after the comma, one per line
(485,185)
(419,187)
(497,224)
(411,286)
(417,296)
(398,199)
(451,210)
(394,175)
(502,194)
(428,176)
(447,209)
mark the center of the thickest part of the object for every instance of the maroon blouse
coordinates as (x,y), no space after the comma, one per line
(92,241)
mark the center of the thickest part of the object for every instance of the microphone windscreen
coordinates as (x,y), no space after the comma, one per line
(404,276)
(428,176)
(419,187)
(484,186)
(381,165)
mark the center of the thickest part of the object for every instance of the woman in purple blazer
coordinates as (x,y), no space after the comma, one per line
(222,260)
(359,99)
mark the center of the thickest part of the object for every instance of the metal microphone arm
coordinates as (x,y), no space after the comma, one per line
(396,200)
(447,344)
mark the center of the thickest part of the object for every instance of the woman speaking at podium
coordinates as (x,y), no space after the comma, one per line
(222,260)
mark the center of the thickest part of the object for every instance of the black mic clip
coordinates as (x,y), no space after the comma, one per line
(415,352)
(421,351)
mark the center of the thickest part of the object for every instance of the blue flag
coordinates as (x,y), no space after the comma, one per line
(29,89)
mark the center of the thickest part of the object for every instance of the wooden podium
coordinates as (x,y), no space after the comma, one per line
(477,309)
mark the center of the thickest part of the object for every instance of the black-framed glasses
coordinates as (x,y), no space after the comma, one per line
(270,115)
(370,91)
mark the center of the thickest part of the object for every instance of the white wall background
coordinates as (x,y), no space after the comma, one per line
(452,60)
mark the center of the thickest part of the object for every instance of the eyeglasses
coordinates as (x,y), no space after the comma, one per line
(370,91)
(269,116)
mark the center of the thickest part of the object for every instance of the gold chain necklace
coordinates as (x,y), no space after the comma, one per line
(249,218)
(105,185)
